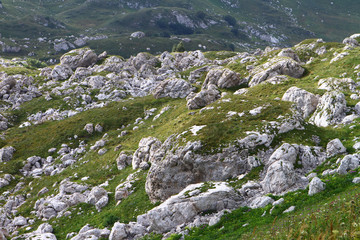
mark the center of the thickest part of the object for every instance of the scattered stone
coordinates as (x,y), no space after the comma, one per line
(335,147)
(203,98)
(174,88)
(290,209)
(316,186)
(6,154)
(306,102)
(223,78)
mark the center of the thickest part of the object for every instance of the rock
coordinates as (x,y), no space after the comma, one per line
(250,189)
(223,78)
(123,160)
(90,233)
(6,154)
(80,42)
(278,202)
(61,72)
(335,147)
(81,73)
(349,162)
(147,147)
(125,189)
(330,110)
(356,180)
(118,232)
(276,66)
(89,128)
(98,197)
(288,52)
(96,82)
(306,102)
(63,45)
(44,228)
(190,202)
(20,221)
(316,186)
(261,202)
(203,98)
(98,128)
(83,57)
(351,42)
(357,108)
(342,84)
(174,88)
(43,191)
(290,209)
(137,34)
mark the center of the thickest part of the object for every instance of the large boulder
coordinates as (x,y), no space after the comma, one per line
(98,197)
(274,67)
(83,57)
(331,109)
(290,53)
(203,98)
(61,72)
(223,78)
(191,201)
(306,102)
(335,147)
(174,88)
(349,162)
(351,42)
(6,154)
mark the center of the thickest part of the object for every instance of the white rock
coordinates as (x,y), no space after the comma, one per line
(335,147)
(306,102)
(356,180)
(316,186)
(290,209)
(261,202)
(349,162)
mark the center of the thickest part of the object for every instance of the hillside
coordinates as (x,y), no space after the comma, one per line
(45,29)
(194,145)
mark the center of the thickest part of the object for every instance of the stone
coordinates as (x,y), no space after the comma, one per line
(351,42)
(89,128)
(99,128)
(349,162)
(190,202)
(261,202)
(306,102)
(20,221)
(147,147)
(223,78)
(290,209)
(174,88)
(274,67)
(290,53)
(123,160)
(83,57)
(137,34)
(342,84)
(335,147)
(6,154)
(331,109)
(61,72)
(118,232)
(98,197)
(203,98)
(316,186)
(356,180)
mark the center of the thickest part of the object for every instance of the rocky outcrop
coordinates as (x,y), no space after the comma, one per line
(335,147)
(290,53)
(147,148)
(341,84)
(223,78)
(274,67)
(306,102)
(331,109)
(98,197)
(203,98)
(61,72)
(349,162)
(89,232)
(6,154)
(83,57)
(174,88)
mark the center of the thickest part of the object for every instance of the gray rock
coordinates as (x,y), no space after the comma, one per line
(261,202)
(20,221)
(190,202)
(223,78)
(351,42)
(306,102)
(174,88)
(316,186)
(356,180)
(330,110)
(61,72)
(335,147)
(99,128)
(290,53)
(147,147)
(341,84)
(203,98)
(83,57)
(290,209)
(6,154)
(118,232)
(274,67)
(89,128)
(123,160)
(137,34)
(349,162)
(98,197)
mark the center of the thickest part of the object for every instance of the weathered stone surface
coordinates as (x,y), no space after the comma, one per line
(137,34)
(83,57)
(61,72)
(330,110)
(147,148)
(223,78)
(335,147)
(290,53)
(351,42)
(174,88)
(98,197)
(6,153)
(123,160)
(306,102)
(349,162)
(341,84)
(261,202)
(316,186)
(276,66)
(183,207)
(203,98)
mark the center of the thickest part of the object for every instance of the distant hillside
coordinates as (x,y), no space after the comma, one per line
(205,24)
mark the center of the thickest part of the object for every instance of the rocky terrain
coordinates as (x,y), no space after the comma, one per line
(155,146)
(47,29)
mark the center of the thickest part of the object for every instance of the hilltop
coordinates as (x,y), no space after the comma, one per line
(45,29)
(193,145)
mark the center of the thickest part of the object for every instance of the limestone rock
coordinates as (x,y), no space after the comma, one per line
(342,84)
(98,197)
(335,147)
(330,110)
(223,78)
(83,57)
(261,202)
(203,98)
(174,88)
(123,160)
(6,154)
(137,34)
(61,72)
(89,128)
(147,147)
(316,186)
(20,221)
(276,66)
(349,162)
(306,102)
(351,42)
(288,52)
